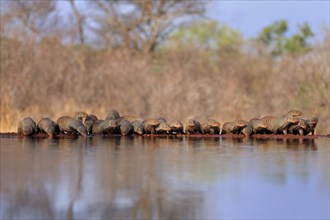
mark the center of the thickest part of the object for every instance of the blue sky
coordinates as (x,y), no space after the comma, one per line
(251,16)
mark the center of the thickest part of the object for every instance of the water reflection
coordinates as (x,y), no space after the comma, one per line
(163,177)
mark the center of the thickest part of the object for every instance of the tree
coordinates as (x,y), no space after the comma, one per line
(35,18)
(297,43)
(80,21)
(273,38)
(142,25)
(208,35)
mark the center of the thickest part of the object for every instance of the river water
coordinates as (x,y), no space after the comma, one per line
(164,177)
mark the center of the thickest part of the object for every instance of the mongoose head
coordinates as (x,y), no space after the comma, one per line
(138,127)
(292,119)
(82,130)
(89,122)
(176,124)
(112,124)
(213,122)
(191,123)
(240,123)
(294,113)
(138,130)
(27,130)
(153,122)
(247,131)
(314,121)
(164,127)
(302,124)
(125,129)
(51,130)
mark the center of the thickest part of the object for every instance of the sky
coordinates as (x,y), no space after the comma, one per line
(251,16)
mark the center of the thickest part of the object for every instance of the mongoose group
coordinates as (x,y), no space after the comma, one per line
(114,123)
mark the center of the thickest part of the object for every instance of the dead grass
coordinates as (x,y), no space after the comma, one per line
(51,79)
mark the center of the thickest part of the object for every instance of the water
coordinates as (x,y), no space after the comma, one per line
(164,177)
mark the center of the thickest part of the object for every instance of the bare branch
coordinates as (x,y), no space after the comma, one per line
(143,24)
(79,22)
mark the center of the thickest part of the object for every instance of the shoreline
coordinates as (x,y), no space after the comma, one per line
(259,136)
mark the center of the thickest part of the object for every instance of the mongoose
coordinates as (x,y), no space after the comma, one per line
(150,125)
(104,127)
(89,122)
(124,126)
(234,127)
(94,117)
(27,126)
(192,127)
(161,119)
(279,125)
(138,127)
(311,125)
(294,113)
(48,126)
(163,128)
(70,125)
(298,128)
(258,126)
(112,115)
(248,130)
(211,127)
(131,118)
(176,127)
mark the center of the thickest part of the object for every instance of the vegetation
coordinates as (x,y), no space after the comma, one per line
(146,66)
(273,38)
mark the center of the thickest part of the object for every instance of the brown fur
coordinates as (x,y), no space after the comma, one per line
(27,126)
(298,128)
(163,128)
(192,127)
(234,127)
(176,127)
(104,127)
(211,127)
(112,115)
(48,126)
(70,125)
(150,125)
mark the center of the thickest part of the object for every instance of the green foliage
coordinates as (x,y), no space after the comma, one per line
(273,38)
(297,43)
(209,35)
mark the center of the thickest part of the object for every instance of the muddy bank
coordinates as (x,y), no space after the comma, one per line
(261,136)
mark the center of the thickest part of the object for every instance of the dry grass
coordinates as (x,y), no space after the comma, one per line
(51,79)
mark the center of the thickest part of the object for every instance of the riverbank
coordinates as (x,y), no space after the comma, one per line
(259,136)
